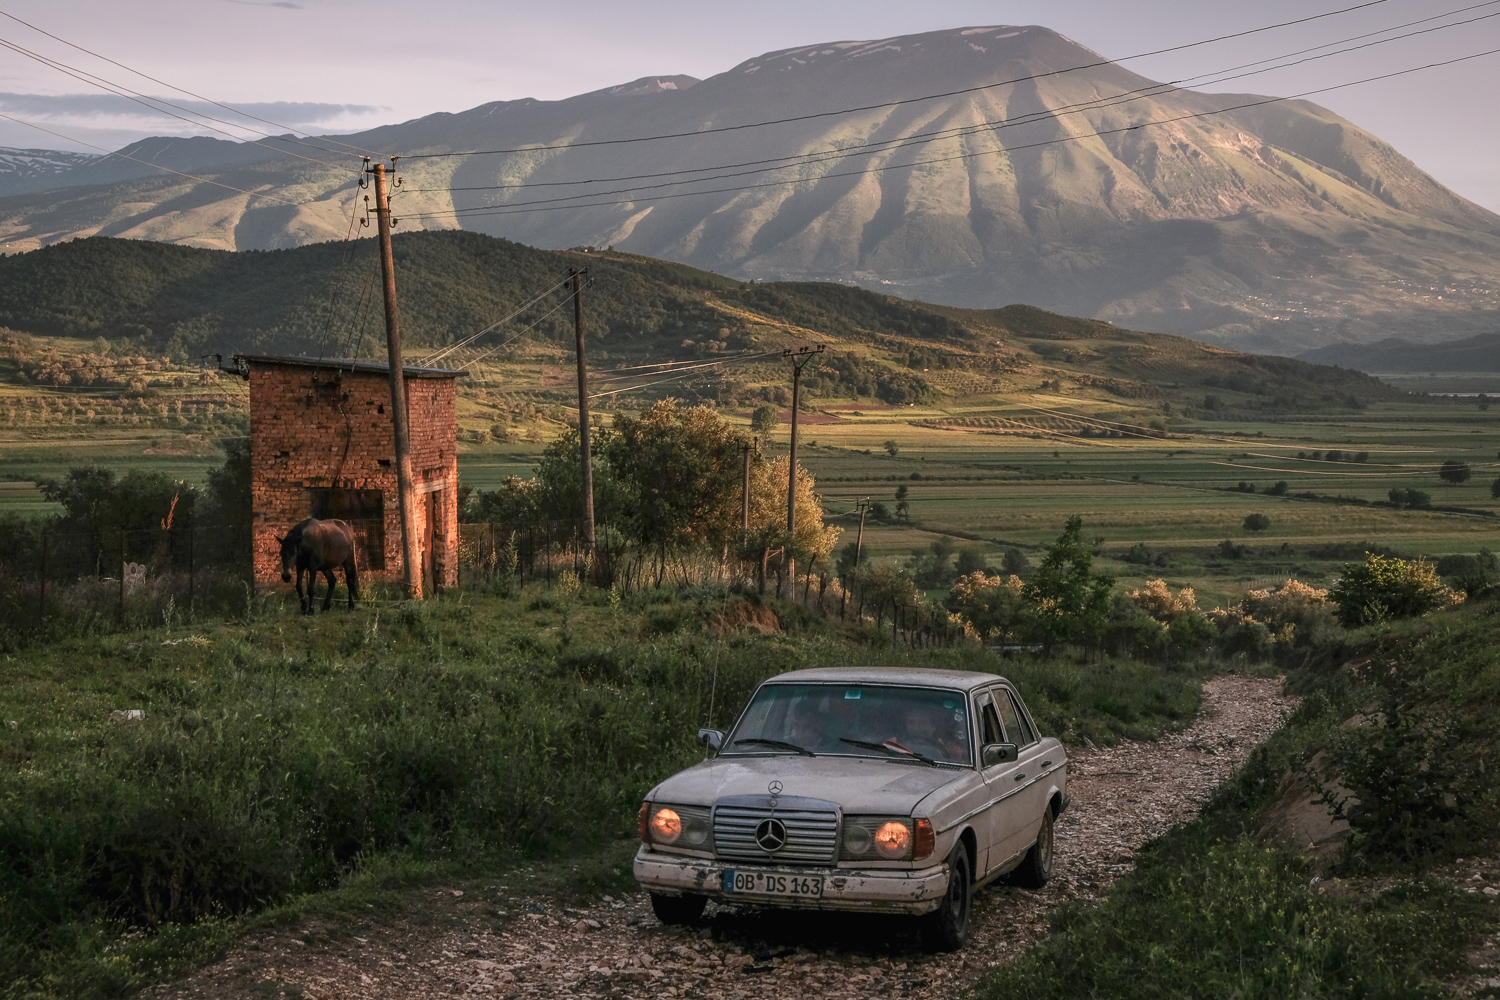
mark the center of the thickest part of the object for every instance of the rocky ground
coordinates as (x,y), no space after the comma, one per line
(491,942)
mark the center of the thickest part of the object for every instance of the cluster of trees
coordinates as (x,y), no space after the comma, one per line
(667,479)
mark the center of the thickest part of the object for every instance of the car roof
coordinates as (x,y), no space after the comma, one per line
(964,680)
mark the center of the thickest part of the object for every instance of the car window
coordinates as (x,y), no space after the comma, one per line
(838,718)
(1008,717)
(990,722)
(1023,724)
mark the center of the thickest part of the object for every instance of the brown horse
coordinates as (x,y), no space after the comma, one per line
(319,547)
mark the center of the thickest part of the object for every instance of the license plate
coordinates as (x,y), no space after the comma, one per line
(772,884)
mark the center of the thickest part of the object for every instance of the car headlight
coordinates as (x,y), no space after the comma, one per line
(674,825)
(878,838)
(893,840)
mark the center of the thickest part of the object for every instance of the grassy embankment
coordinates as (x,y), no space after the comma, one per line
(295,763)
(1223,907)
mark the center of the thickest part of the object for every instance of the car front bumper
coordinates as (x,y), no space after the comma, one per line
(876,890)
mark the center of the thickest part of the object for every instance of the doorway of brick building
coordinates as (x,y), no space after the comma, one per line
(430,534)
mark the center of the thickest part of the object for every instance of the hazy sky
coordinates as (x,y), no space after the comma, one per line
(338,64)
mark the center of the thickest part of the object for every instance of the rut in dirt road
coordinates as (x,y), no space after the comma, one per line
(1122,797)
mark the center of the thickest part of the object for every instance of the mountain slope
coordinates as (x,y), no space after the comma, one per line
(1276,226)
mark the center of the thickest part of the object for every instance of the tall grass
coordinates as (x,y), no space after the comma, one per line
(280,754)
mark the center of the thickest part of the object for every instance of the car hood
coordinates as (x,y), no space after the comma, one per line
(858,784)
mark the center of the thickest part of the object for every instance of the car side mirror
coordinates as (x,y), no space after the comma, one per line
(711,738)
(999,753)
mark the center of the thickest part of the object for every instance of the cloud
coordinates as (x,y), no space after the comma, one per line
(286,4)
(108,110)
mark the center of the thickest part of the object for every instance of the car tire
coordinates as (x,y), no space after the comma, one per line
(1036,868)
(677,909)
(947,927)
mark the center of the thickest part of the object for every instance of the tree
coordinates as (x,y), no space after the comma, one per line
(1495,488)
(1257,522)
(1069,601)
(892,448)
(765,419)
(970,560)
(903,508)
(1278,490)
(1454,473)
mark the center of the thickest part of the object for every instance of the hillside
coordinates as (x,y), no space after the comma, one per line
(1472,354)
(1274,227)
(187,303)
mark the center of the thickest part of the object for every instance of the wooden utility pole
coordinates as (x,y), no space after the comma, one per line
(411,557)
(584,449)
(800,358)
(859,539)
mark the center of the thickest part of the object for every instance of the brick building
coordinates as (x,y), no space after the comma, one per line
(322,445)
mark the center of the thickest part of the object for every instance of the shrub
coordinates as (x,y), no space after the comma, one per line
(1417,789)
(1294,612)
(991,605)
(1381,588)
(1158,601)
(1257,522)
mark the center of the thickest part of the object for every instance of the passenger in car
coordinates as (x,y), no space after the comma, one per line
(925,732)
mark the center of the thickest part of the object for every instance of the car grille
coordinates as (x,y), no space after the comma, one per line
(812,828)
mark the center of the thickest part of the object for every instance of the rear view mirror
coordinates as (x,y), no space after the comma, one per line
(996,753)
(712,738)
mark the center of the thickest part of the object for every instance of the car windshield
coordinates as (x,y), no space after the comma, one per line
(920,724)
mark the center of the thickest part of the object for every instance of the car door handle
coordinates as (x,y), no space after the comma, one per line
(1020,777)
(1046,763)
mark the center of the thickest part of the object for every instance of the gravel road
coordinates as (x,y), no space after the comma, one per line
(503,946)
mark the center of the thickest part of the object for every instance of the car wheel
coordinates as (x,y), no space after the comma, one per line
(678,909)
(1036,868)
(947,928)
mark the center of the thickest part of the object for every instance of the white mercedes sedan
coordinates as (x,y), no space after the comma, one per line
(859,788)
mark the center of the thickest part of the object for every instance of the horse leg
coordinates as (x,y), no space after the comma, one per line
(328,597)
(351,580)
(304,604)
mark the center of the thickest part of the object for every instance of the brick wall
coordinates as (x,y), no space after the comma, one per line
(314,428)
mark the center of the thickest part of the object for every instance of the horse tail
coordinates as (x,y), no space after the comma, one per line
(351,578)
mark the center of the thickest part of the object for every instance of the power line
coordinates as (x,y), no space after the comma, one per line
(438,356)
(150,103)
(922,138)
(181,90)
(908,100)
(551,205)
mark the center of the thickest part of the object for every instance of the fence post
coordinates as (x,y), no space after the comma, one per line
(121,565)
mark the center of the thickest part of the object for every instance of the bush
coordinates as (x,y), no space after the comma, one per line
(1158,601)
(1256,522)
(1417,792)
(1382,588)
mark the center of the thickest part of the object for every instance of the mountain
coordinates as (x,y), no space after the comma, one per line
(1472,354)
(21,168)
(1269,226)
(319,301)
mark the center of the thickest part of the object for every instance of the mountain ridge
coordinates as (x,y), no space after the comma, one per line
(1276,227)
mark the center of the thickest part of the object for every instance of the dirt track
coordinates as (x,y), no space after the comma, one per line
(502,946)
